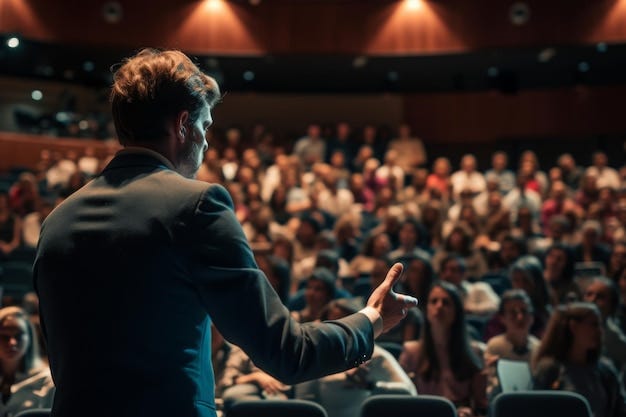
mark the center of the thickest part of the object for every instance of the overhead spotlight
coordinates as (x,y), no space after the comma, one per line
(214,4)
(248,75)
(36,95)
(13,42)
(602,47)
(413,4)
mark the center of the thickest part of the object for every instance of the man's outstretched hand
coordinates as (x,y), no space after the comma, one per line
(391,307)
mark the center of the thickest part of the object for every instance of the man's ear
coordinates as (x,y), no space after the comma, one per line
(180,128)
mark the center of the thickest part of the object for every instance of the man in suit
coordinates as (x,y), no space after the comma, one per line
(132,268)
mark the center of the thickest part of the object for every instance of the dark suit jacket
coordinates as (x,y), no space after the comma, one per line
(132,268)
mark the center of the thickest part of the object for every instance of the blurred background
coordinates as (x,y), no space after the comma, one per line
(539,75)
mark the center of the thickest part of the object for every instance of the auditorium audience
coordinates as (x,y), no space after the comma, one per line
(353,202)
(342,394)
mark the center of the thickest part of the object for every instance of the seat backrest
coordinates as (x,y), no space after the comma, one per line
(514,375)
(276,408)
(539,404)
(404,405)
(36,412)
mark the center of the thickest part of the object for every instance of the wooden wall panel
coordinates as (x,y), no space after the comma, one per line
(318,26)
(23,150)
(487,117)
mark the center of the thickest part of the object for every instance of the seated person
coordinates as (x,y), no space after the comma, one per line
(527,274)
(342,394)
(604,293)
(444,362)
(478,297)
(320,290)
(242,380)
(517,344)
(26,381)
(568,358)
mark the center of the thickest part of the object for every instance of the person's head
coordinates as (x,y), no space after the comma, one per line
(282,247)
(516,312)
(559,264)
(511,248)
(377,245)
(444,307)
(328,258)
(459,240)
(441,167)
(558,191)
(527,275)
(468,163)
(600,159)
(445,315)
(603,293)
(418,276)
(320,288)
(391,156)
(342,307)
(409,233)
(558,227)
(314,131)
(19,346)
(617,261)
(161,99)
(591,232)
(566,162)
(573,327)
(308,230)
(499,161)
(452,269)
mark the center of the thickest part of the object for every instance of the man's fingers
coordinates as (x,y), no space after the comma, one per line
(407,299)
(393,275)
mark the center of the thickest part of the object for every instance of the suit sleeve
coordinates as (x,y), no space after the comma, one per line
(249,313)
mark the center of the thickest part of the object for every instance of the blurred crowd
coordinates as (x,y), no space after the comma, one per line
(508,261)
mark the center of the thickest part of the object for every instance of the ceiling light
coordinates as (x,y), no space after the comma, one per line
(13,42)
(36,95)
(413,4)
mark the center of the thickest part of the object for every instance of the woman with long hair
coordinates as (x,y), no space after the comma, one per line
(559,274)
(444,362)
(568,359)
(25,377)
(526,274)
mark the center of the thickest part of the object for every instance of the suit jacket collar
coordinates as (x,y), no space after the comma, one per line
(138,156)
